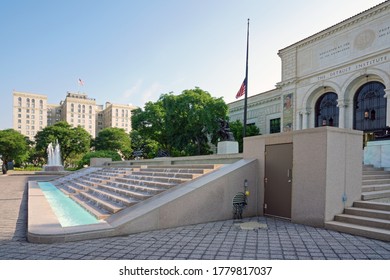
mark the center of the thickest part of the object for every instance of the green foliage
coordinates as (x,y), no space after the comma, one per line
(237,129)
(28,168)
(148,147)
(13,146)
(181,124)
(74,141)
(98,154)
(114,139)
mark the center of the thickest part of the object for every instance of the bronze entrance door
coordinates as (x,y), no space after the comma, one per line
(278,180)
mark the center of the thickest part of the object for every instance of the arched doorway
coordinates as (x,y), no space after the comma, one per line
(326,110)
(370,108)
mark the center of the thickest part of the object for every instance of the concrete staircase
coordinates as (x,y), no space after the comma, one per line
(369,217)
(106,191)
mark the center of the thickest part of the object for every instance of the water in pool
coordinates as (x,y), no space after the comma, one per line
(68,212)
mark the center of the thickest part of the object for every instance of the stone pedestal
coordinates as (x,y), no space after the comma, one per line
(377,153)
(227,147)
(53,168)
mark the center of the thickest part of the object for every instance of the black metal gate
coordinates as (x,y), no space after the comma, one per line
(370,107)
(327,112)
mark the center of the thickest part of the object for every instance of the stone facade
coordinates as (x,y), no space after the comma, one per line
(340,60)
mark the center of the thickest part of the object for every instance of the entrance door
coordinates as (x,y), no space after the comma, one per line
(278,180)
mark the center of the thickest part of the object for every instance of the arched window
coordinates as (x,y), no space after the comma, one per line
(326,110)
(370,107)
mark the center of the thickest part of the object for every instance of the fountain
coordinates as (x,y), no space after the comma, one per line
(54,158)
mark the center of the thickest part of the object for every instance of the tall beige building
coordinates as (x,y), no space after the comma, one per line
(32,113)
(29,113)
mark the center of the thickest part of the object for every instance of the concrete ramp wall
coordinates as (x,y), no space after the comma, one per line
(204,199)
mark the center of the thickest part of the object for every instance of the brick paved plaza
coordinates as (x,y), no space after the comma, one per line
(276,239)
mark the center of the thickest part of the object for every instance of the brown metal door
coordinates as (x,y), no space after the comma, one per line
(278,180)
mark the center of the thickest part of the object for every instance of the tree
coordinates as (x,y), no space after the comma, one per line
(237,129)
(182,124)
(74,141)
(148,146)
(114,139)
(13,146)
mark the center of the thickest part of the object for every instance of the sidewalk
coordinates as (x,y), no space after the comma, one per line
(252,238)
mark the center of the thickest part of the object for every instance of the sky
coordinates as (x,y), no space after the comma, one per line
(132,51)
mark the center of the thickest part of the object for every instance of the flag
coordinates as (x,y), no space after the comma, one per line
(81,82)
(241,91)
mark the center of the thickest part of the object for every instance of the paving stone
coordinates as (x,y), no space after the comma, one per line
(216,240)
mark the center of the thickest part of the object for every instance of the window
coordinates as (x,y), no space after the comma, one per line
(274,126)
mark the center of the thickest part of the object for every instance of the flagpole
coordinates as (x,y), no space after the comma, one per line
(246,82)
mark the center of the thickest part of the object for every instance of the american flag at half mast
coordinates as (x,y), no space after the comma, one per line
(241,91)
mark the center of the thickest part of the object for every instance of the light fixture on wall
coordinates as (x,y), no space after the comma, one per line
(366,114)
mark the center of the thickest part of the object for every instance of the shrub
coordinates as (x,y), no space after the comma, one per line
(98,154)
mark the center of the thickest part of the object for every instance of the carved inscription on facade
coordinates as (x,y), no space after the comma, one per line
(354,67)
(336,51)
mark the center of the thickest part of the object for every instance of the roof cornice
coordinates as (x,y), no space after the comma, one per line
(380,8)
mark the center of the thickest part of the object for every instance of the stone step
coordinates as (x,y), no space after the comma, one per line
(148,190)
(74,187)
(67,190)
(375,172)
(372,205)
(166,174)
(174,169)
(370,232)
(107,205)
(376,182)
(371,213)
(372,168)
(138,182)
(105,193)
(97,212)
(155,178)
(371,188)
(137,195)
(363,221)
(375,195)
(375,177)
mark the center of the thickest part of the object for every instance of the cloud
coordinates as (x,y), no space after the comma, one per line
(152,93)
(133,91)
(139,93)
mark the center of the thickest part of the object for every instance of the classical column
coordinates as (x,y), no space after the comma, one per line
(387,96)
(305,119)
(342,105)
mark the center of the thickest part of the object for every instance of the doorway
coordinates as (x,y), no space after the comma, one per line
(278,180)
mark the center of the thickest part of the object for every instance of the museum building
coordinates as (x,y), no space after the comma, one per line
(337,77)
